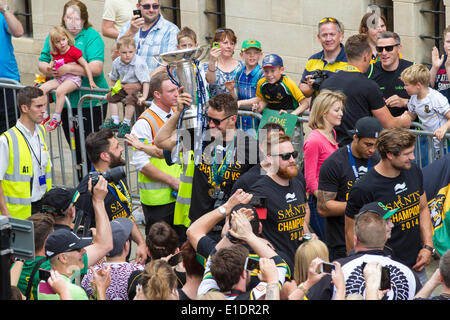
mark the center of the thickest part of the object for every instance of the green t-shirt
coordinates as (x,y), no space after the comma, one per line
(76,291)
(91,44)
(28,268)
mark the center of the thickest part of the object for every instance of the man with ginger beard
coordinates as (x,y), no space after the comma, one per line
(284,188)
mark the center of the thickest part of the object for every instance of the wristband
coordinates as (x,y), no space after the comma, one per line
(211,70)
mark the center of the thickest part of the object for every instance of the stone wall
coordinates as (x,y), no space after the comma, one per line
(285,27)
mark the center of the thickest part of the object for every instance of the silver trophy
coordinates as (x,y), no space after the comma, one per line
(182,60)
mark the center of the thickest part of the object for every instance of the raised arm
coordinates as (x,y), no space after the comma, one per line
(103,242)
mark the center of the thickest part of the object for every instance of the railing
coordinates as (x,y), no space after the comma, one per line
(57,150)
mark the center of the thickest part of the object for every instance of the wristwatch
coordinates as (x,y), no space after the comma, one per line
(433,250)
(301,286)
(222,211)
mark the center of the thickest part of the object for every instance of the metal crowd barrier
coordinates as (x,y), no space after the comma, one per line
(60,171)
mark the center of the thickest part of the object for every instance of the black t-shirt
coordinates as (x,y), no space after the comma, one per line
(362,96)
(249,178)
(245,156)
(336,175)
(286,210)
(390,83)
(402,192)
(115,208)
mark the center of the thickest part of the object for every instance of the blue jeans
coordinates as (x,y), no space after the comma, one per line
(317,222)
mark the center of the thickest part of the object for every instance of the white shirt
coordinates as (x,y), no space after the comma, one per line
(143,131)
(431,111)
(36,143)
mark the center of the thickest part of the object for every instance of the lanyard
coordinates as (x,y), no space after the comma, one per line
(31,149)
(120,197)
(218,173)
(353,163)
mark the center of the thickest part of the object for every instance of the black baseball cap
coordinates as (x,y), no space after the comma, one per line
(378,208)
(63,240)
(367,127)
(57,200)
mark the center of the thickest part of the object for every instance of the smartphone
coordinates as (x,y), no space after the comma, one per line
(137,12)
(216,45)
(175,259)
(44,275)
(385,282)
(251,264)
(326,267)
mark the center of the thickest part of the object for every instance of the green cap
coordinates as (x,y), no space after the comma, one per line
(378,208)
(247,44)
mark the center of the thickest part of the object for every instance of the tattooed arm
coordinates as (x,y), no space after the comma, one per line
(327,206)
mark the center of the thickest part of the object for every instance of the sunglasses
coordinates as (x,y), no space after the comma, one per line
(387,48)
(155,6)
(217,122)
(329,19)
(287,155)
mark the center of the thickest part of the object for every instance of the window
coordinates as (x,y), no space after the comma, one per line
(171,11)
(22,10)
(215,14)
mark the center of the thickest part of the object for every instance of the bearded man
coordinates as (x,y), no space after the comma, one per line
(105,153)
(284,188)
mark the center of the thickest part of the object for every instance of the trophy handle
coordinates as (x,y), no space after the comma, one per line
(206,48)
(161,63)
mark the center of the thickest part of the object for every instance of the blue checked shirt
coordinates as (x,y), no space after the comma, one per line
(246,84)
(161,38)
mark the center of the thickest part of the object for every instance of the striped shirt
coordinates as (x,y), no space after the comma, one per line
(317,62)
(160,38)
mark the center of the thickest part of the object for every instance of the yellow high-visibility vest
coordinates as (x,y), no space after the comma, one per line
(16,183)
(152,192)
(183,203)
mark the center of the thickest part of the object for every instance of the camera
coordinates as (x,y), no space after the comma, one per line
(319,76)
(258,202)
(113,175)
(219,196)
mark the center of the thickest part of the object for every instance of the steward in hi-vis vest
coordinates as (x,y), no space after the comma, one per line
(25,166)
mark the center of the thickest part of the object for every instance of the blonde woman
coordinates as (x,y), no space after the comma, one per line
(326,113)
(304,255)
(308,258)
(158,282)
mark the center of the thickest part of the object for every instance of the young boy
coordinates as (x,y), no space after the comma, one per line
(429,105)
(243,87)
(277,91)
(186,39)
(134,76)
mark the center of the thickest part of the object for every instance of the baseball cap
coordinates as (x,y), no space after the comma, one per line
(247,44)
(63,240)
(57,200)
(272,60)
(378,208)
(121,231)
(367,127)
